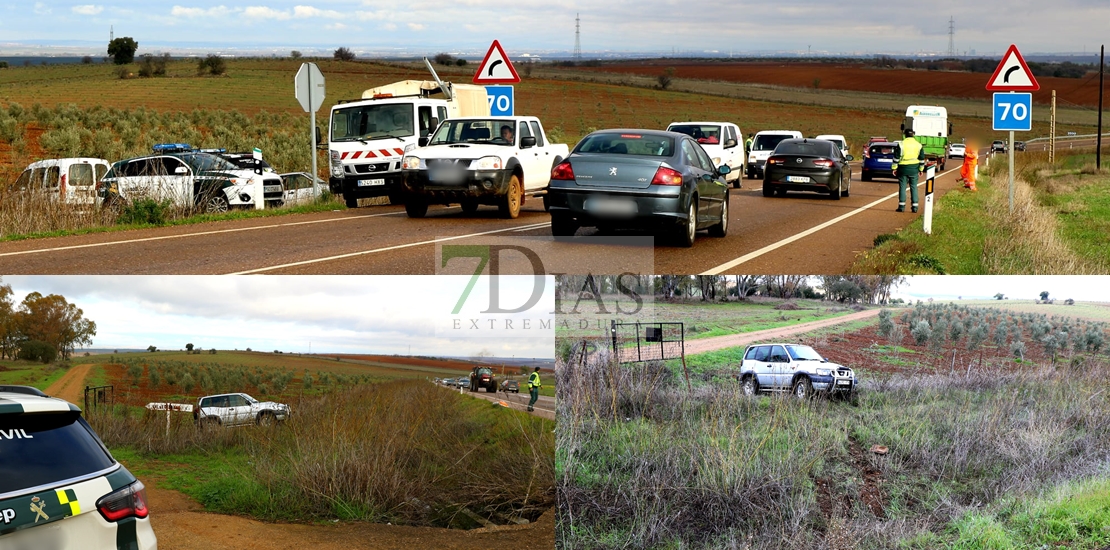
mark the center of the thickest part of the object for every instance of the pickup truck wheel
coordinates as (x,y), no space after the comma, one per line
(469,206)
(265,419)
(510,203)
(352,202)
(721,229)
(563,227)
(749,385)
(802,388)
(416,207)
(210,423)
(687,232)
(397,198)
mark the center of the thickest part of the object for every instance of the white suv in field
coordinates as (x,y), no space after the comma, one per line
(794,368)
(237,409)
(59,485)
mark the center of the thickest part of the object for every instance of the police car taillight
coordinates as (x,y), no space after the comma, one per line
(124,503)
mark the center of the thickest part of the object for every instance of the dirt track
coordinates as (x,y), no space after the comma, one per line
(736,340)
(181,524)
(71,386)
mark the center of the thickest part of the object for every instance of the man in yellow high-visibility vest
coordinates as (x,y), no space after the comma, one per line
(534,388)
(910,164)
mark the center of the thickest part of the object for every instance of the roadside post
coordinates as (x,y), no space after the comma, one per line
(1013,111)
(309,90)
(930,179)
(169,408)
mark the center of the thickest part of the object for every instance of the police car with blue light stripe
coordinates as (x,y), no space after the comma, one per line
(59,485)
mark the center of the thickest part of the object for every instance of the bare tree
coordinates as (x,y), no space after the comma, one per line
(344,54)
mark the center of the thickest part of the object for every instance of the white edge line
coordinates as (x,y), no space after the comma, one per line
(200,234)
(386,249)
(752,255)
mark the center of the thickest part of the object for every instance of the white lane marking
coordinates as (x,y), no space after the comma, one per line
(752,255)
(200,234)
(530,228)
(386,249)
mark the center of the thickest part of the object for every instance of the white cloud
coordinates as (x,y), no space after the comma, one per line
(87,9)
(339,27)
(42,9)
(389,27)
(416,26)
(309,11)
(264,12)
(215,11)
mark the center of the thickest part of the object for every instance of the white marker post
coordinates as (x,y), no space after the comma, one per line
(930,179)
(309,88)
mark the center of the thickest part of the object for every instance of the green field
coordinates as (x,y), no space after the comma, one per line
(26,373)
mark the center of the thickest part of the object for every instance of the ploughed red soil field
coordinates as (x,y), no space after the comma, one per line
(413,361)
(858,77)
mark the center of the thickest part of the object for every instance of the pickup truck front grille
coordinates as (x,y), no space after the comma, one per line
(448,163)
(371,168)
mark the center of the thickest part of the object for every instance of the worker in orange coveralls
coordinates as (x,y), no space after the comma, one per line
(971,160)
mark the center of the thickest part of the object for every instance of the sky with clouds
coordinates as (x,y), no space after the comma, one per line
(1083,288)
(367,314)
(421,26)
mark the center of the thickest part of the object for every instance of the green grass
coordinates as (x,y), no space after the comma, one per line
(24,373)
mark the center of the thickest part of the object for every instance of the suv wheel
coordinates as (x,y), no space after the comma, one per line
(352,202)
(510,203)
(265,419)
(749,385)
(217,204)
(802,388)
(416,207)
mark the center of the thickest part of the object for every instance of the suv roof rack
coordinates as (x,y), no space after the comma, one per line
(25,390)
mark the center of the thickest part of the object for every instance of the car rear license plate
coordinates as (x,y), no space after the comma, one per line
(611,206)
(888,161)
(367,183)
(797,179)
(273,189)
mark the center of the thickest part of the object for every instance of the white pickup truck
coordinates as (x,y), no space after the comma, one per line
(480,160)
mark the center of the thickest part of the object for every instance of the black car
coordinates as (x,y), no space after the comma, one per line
(642,179)
(1019,146)
(807,165)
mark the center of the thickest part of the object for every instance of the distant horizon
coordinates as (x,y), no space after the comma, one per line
(110,349)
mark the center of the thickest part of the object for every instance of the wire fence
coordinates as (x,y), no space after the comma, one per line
(638,342)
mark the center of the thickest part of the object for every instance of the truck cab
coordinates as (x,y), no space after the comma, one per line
(367,138)
(931,129)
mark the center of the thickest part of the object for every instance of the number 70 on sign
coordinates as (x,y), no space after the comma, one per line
(1013,112)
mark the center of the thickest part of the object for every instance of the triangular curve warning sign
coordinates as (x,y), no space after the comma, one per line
(496,67)
(1013,74)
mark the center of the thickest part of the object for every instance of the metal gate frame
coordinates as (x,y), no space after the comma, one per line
(642,332)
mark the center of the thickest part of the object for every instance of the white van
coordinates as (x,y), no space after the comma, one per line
(838,139)
(722,140)
(762,145)
(71,180)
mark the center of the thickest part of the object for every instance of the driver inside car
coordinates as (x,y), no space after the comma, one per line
(507,133)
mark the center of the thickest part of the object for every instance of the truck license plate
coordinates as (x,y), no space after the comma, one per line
(273,189)
(367,183)
(797,179)
(446,175)
(844,383)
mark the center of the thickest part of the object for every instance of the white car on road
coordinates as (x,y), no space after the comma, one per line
(838,139)
(722,140)
(763,144)
(957,150)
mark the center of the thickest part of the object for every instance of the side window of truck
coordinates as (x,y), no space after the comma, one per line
(425,120)
(539,134)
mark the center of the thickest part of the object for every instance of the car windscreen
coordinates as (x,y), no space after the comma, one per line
(703,133)
(204,162)
(768,142)
(372,122)
(811,149)
(803,353)
(652,145)
(489,130)
(39,449)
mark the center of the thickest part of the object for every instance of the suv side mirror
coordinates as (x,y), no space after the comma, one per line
(526,142)
(730,143)
(849,158)
(422,142)
(180,170)
(724,169)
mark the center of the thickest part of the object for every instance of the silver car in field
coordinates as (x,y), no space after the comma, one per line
(794,368)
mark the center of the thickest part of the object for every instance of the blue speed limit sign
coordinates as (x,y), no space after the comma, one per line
(1013,111)
(500,100)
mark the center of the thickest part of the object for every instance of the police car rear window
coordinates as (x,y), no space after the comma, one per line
(40,449)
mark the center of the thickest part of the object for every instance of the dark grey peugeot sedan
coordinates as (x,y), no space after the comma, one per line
(639,179)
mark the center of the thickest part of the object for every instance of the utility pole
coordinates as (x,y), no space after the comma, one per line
(951,37)
(1052,132)
(577,39)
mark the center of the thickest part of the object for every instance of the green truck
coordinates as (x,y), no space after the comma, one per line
(931,128)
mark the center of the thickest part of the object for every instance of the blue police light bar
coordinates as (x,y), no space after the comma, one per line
(172,147)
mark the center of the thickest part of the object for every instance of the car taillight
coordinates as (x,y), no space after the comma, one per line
(667,176)
(124,503)
(824,163)
(776,160)
(563,171)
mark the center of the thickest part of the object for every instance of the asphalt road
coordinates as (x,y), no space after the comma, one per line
(545,405)
(802,233)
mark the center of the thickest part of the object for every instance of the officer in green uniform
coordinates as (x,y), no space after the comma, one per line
(534,388)
(910,164)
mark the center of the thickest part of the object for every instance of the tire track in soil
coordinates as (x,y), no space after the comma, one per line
(71,386)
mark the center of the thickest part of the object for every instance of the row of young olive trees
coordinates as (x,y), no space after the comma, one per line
(220,378)
(942,326)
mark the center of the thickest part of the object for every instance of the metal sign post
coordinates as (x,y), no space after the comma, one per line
(309,88)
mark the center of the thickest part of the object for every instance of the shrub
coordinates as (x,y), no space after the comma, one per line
(212,64)
(921,332)
(344,54)
(295,54)
(443,58)
(886,324)
(145,211)
(122,50)
(87,60)
(36,350)
(665,79)
(460,62)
